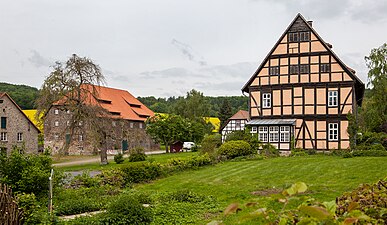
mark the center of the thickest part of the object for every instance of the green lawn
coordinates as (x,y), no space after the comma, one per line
(326,176)
(161,158)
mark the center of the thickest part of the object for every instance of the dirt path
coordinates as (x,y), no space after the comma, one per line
(95,159)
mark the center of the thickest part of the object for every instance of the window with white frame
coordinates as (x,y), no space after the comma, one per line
(80,137)
(263,134)
(140,125)
(56,137)
(131,125)
(19,136)
(114,123)
(274,70)
(332,98)
(3,136)
(284,134)
(333,131)
(68,123)
(266,100)
(253,130)
(56,111)
(273,134)
(56,123)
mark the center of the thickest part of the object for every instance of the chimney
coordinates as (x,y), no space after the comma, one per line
(310,22)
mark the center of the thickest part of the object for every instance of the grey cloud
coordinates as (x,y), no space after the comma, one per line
(38,60)
(170,73)
(362,10)
(228,87)
(189,52)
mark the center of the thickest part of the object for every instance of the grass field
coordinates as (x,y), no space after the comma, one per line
(326,176)
(161,158)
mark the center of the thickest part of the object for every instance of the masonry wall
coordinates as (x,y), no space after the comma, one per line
(120,133)
(17,123)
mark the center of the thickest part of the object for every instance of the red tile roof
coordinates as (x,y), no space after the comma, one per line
(120,103)
(240,115)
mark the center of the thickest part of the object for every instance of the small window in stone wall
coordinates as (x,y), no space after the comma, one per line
(19,136)
(131,125)
(3,122)
(56,111)
(56,123)
(140,125)
(3,136)
(1,101)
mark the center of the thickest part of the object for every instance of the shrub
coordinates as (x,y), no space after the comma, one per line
(141,172)
(210,143)
(232,149)
(298,152)
(75,201)
(245,135)
(269,150)
(25,173)
(370,199)
(114,177)
(127,210)
(84,180)
(119,158)
(183,195)
(137,155)
(367,140)
(178,164)
(377,153)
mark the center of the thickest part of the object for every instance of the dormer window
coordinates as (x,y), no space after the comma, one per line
(56,111)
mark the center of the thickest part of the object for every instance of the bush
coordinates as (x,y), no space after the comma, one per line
(25,173)
(119,158)
(113,177)
(75,201)
(367,140)
(370,199)
(377,153)
(269,150)
(141,172)
(210,143)
(83,180)
(232,149)
(137,155)
(298,152)
(183,195)
(245,135)
(178,164)
(127,210)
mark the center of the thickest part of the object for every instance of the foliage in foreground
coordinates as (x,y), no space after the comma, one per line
(137,154)
(26,173)
(364,205)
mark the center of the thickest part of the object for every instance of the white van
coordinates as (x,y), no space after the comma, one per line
(188,145)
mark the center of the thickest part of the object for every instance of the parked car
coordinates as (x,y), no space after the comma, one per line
(188,145)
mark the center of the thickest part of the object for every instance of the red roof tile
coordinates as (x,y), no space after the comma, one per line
(120,103)
(240,115)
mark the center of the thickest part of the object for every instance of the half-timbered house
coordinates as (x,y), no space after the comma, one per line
(303,92)
(234,123)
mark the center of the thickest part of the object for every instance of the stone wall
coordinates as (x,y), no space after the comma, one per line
(83,143)
(17,122)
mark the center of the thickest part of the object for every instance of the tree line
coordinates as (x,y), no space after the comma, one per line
(24,95)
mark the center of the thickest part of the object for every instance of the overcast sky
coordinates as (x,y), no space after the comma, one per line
(167,47)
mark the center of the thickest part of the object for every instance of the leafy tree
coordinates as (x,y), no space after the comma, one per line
(194,106)
(167,129)
(374,112)
(71,86)
(23,95)
(224,112)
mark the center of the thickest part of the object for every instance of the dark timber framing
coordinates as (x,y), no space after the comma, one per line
(306,103)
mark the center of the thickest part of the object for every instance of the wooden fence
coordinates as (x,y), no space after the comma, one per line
(10,214)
